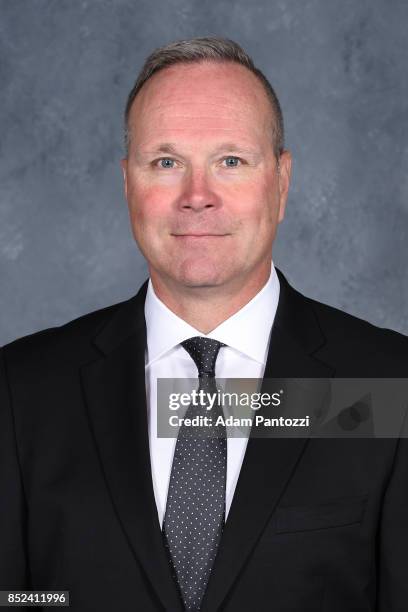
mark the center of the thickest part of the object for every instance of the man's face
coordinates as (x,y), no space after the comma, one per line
(201,178)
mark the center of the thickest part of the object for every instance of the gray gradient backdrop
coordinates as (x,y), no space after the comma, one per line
(66,66)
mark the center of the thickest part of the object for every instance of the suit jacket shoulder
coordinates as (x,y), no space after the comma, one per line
(336,321)
(69,341)
(354,339)
(352,346)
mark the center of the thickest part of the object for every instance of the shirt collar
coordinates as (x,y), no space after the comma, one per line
(247,330)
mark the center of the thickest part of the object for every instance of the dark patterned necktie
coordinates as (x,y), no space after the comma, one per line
(195,510)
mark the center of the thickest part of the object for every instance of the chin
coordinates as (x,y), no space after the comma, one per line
(200,274)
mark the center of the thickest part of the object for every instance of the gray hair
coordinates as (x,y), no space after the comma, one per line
(195,50)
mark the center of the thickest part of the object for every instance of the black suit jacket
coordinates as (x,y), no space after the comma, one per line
(315,524)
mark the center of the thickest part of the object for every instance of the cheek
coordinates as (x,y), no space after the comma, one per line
(254,205)
(150,205)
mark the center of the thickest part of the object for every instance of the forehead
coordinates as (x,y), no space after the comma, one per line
(209,98)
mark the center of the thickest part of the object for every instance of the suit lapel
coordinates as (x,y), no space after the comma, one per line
(268,463)
(115,394)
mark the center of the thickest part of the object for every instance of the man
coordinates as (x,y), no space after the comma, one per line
(92,500)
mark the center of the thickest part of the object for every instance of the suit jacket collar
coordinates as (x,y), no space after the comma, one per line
(294,316)
(114,387)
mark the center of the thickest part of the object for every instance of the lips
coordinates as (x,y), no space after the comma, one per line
(196,235)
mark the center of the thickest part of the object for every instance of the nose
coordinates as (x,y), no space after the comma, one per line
(198,192)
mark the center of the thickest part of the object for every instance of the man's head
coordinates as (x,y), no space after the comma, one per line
(206,174)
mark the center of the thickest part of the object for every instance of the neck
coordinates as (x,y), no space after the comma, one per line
(204,308)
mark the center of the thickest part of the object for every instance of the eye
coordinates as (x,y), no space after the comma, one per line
(232,161)
(165,162)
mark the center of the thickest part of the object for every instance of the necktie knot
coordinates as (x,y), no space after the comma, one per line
(204,352)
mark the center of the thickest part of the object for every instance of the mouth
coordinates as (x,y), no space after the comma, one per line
(194,235)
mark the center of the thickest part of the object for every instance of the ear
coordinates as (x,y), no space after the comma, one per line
(124,164)
(285,170)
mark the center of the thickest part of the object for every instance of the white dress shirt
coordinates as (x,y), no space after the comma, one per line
(246,334)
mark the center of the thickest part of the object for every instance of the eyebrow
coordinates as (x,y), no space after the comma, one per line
(171,148)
